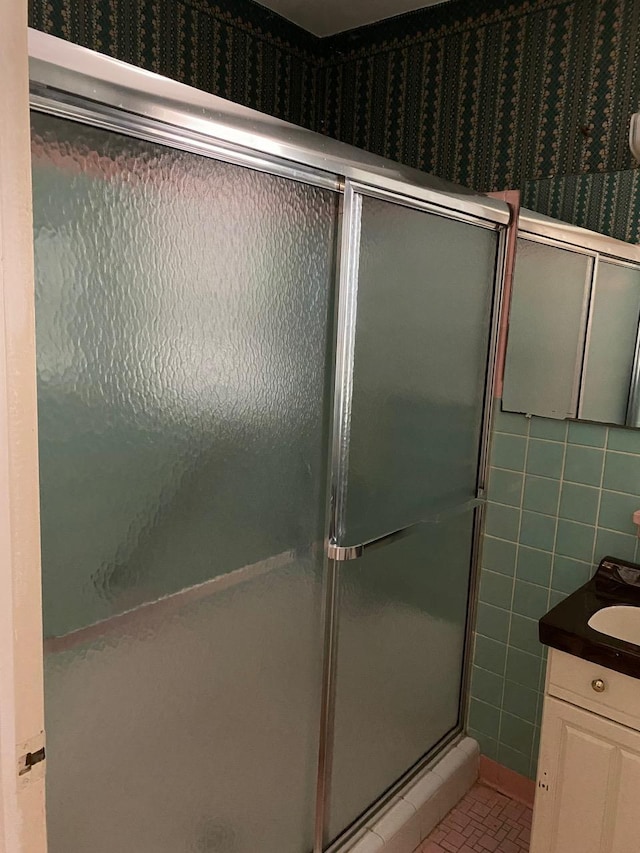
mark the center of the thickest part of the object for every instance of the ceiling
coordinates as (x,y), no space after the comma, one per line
(326,17)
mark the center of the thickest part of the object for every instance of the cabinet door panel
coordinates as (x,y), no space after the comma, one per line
(589,769)
(547,325)
(626,836)
(612,344)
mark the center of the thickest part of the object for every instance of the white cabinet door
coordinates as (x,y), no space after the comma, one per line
(547,330)
(588,791)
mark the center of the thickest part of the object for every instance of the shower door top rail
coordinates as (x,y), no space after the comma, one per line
(68,79)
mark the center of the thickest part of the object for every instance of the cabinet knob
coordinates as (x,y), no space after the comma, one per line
(598,685)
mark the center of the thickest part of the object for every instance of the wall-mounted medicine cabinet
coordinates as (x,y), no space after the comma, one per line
(572,349)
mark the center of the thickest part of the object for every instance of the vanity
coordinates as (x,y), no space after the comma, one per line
(588,785)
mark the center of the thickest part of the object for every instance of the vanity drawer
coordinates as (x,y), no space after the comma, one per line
(594,687)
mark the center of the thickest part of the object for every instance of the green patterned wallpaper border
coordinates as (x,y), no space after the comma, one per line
(608,203)
(491,94)
(233,48)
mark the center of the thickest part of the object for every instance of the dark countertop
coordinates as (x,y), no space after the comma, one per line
(566,626)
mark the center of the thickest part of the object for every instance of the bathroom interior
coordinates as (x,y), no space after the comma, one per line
(337,347)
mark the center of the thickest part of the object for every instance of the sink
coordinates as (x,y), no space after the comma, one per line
(600,621)
(620,621)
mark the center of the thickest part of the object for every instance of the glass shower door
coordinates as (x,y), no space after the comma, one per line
(183,327)
(416,307)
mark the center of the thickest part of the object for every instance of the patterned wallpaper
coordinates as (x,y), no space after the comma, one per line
(233,48)
(605,202)
(491,93)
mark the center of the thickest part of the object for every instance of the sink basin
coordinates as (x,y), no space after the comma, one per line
(620,621)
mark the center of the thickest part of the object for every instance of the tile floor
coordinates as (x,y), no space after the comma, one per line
(483,822)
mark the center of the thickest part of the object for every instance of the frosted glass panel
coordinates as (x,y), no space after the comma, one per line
(612,344)
(546,330)
(182,309)
(424,299)
(183,312)
(402,621)
(192,726)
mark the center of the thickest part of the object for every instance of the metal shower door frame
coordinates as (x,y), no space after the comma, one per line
(341,555)
(80,85)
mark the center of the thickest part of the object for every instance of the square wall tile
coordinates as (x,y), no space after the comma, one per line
(616,512)
(498,555)
(622,473)
(583,465)
(579,503)
(493,622)
(508,451)
(533,565)
(520,702)
(503,522)
(523,635)
(569,574)
(510,422)
(487,686)
(591,435)
(575,540)
(541,494)
(545,458)
(484,718)
(505,487)
(516,733)
(530,600)
(548,428)
(609,543)
(490,654)
(537,531)
(488,745)
(555,597)
(523,668)
(496,589)
(626,440)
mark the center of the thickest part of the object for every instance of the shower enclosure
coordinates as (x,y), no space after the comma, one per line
(264,376)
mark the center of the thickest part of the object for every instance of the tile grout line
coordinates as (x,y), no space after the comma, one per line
(511,713)
(513,585)
(555,534)
(573,443)
(538,713)
(505,523)
(595,538)
(570,520)
(572,482)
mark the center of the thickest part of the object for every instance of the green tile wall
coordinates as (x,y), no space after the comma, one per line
(560,497)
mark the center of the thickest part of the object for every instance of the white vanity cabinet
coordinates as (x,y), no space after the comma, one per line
(588,787)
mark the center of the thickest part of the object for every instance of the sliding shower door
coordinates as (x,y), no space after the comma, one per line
(416,308)
(183,332)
